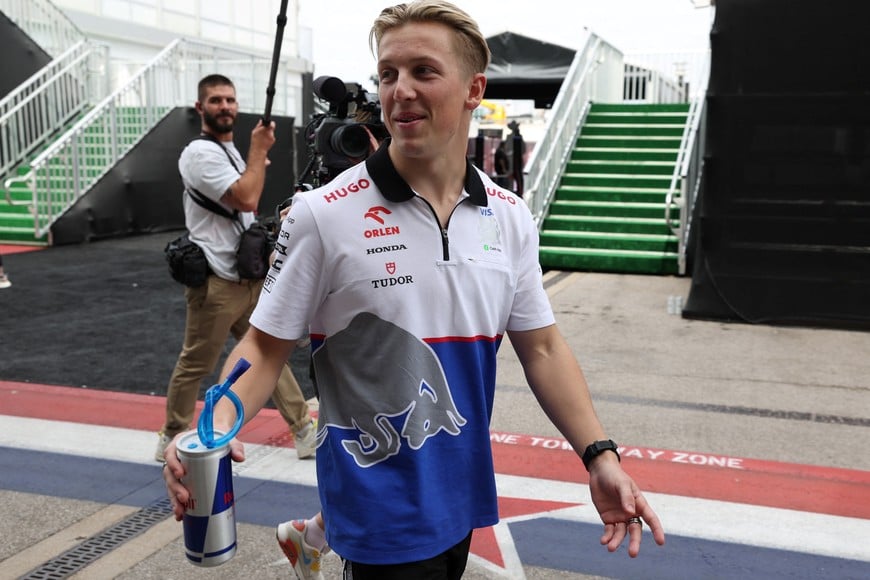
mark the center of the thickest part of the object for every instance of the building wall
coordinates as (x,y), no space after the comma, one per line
(137,30)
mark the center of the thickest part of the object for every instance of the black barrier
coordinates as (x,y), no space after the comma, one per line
(142,193)
(22,57)
(782,226)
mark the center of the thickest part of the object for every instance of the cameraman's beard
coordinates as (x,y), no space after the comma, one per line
(217,124)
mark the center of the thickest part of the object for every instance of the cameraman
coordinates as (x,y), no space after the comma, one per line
(212,167)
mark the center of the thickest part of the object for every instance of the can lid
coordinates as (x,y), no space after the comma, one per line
(190,443)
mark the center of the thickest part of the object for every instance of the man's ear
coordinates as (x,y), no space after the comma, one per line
(198,106)
(475,92)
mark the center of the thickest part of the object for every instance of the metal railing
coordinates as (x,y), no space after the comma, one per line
(686,179)
(37,109)
(648,86)
(676,78)
(665,77)
(48,26)
(66,169)
(595,74)
(599,66)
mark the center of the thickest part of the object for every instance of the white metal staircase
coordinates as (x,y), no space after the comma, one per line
(66,169)
(62,130)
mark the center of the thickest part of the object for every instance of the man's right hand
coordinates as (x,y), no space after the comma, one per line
(263,137)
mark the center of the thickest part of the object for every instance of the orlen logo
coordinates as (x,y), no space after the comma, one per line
(345,191)
(501,195)
(374,213)
(393,280)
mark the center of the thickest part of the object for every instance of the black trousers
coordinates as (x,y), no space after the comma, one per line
(448,565)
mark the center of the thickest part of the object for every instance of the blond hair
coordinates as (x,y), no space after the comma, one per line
(472,49)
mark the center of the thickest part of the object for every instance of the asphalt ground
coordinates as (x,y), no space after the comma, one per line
(750,441)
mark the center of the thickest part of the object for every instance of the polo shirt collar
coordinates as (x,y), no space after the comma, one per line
(395,189)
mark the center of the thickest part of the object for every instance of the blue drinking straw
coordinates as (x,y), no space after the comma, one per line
(205,425)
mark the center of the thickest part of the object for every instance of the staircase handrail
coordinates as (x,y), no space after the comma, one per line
(45,23)
(51,98)
(594,74)
(67,168)
(686,177)
(69,140)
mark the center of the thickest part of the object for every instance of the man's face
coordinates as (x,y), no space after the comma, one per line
(219,108)
(426,94)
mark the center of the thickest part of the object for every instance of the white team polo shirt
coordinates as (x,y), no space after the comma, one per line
(406,317)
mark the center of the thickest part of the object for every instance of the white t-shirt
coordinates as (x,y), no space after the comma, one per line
(204,166)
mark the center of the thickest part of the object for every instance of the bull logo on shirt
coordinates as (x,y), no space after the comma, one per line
(381,387)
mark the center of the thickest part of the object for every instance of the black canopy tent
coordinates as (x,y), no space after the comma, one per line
(526,68)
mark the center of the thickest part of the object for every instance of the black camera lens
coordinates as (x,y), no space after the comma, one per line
(350,140)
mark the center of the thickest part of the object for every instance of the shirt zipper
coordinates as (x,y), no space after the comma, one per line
(445,240)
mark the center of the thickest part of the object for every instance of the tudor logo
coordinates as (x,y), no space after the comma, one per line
(391,280)
(375,213)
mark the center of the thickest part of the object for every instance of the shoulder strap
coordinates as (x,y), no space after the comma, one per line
(201,199)
(210,205)
(213,139)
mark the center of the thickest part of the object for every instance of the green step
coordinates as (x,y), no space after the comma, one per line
(626,129)
(639,107)
(15,209)
(607,209)
(623,154)
(16,220)
(21,236)
(608,240)
(623,261)
(629,141)
(604,180)
(595,118)
(620,167)
(619,194)
(607,224)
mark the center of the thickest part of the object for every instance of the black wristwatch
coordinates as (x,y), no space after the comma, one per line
(596,448)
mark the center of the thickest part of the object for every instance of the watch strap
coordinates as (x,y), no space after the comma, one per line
(596,448)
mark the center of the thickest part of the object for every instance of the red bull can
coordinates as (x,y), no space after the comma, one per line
(209,516)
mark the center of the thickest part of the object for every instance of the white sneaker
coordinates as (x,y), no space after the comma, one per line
(304,558)
(306,440)
(4,281)
(162,441)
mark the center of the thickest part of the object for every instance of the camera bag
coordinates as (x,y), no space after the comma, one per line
(255,247)
(255,243)
(187,262)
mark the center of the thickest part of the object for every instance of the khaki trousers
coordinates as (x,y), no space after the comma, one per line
(214,311)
